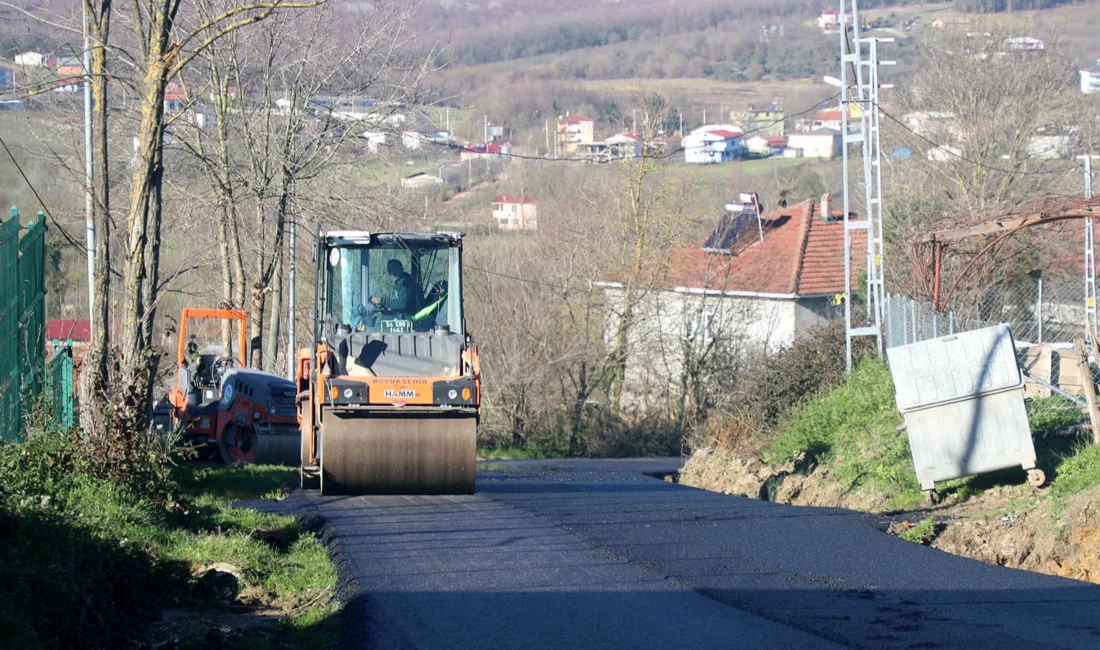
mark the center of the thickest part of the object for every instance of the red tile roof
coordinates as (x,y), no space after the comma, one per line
(512,198)
(488,147)
(722,133)
(801,254)
(77,330)
(576,119)
(775,140)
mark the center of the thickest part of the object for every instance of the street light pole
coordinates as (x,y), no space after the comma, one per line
(89,189)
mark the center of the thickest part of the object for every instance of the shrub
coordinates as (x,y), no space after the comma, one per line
(793,375)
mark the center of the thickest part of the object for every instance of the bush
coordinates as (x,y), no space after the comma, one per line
(791,376)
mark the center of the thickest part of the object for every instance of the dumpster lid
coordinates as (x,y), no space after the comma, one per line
(954,368)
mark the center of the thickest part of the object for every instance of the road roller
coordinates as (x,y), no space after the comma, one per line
(241,414)
(389,391)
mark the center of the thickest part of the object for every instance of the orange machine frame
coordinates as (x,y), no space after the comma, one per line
(179,398)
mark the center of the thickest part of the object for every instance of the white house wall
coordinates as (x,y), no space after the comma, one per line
(657,346)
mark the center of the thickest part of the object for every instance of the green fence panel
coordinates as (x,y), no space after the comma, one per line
(10,412)
(59,385)
(32,322)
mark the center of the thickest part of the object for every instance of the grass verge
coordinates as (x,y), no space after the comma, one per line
(515,453)
(94,565)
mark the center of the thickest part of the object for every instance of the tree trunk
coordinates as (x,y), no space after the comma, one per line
(143,237)
(95,378)
(271,350)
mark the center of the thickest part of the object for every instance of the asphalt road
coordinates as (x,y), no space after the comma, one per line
(597,554)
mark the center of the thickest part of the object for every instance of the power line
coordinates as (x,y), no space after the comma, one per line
(948,151)
(515,277)
(64,233)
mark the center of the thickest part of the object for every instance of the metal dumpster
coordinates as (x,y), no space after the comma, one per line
(963,401)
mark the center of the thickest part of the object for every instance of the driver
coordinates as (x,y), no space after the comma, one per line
(402,298)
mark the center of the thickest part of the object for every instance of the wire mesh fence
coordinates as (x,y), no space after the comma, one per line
(1046,316)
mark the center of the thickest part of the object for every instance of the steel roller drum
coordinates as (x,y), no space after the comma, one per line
(400,453)
(279,449)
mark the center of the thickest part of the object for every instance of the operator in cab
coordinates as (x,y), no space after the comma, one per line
(402,299)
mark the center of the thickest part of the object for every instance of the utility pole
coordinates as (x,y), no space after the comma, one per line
(89,188)
(292,303)
(1090,256)
(681,124)
(547,125)
(704,115)
(634,120)
(486,129)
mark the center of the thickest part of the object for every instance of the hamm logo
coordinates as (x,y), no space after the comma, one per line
(403,393)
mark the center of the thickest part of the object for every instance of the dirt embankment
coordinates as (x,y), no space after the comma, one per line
(1058,538)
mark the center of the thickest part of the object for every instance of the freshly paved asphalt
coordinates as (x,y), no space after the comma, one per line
(597,554)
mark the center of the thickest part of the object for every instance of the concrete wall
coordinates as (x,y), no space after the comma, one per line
(672,326)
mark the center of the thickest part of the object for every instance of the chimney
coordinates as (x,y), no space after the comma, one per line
(826,207)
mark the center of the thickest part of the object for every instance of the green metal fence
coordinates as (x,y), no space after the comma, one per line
(59,385)
(22,318)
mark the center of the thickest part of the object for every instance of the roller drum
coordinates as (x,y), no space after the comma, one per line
(398,453)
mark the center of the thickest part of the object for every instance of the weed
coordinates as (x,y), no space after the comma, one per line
(922,533)
(1076,474)
(1050,414)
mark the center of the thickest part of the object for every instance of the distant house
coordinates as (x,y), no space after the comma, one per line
(572,131)
(819,143)
(30,59)
(830,19)
(764,145)
(420,180)
(768,120)
(712,146)
(937,125)
(1090,78)
(374,140)
(1050,143)
(953,22)
(1024,44)
(515,212)
(944,153)
(7,77)
(424,137)
(70,67)
(618,147)
(736,292)
(489,150)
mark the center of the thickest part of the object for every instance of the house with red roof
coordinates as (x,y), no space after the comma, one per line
(485,150)
(764,145)
(712,145)
(752,287)
(515,212)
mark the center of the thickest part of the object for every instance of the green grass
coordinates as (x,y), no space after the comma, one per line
(852,430)
(1077,472)
(236,483)
(515,453)
(105,559)
(922,533)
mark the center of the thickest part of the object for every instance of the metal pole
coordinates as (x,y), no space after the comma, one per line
(1090,257)
(1039,309)
(292,303)
(89,187)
